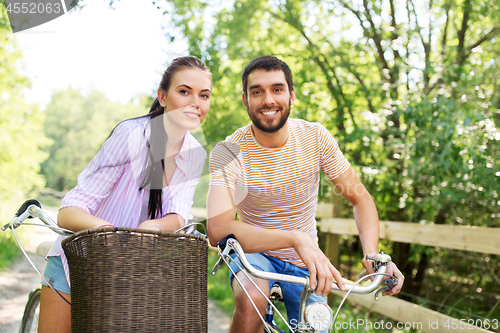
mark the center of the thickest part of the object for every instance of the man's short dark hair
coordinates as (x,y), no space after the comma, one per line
(269,63)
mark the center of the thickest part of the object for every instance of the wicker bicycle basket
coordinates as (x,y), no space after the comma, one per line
(132,280)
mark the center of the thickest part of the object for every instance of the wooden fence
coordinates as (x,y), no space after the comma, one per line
(406,314)
(466,238)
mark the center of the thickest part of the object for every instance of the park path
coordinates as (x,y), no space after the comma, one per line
(17,282)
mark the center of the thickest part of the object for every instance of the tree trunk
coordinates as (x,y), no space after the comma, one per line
(400,256)
(420,276)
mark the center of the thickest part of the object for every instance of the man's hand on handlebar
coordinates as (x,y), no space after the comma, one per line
(392,270)
(321,271)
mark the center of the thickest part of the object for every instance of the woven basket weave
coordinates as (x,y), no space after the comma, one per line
(131,280)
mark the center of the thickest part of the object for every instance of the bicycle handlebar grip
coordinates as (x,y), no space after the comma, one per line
(222,243)
(25,206)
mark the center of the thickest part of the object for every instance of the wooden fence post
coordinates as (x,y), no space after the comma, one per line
(332,248)
(332,240)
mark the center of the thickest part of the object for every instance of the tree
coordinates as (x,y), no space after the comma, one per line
(21,135)
(78,126)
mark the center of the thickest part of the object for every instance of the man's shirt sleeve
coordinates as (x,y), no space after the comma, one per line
(333,162)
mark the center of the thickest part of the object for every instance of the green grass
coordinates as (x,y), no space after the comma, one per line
(8,249)
(218,286)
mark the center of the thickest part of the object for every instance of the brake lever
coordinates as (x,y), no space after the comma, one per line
(5,227)
(217,266)
(390,283)
(223,252)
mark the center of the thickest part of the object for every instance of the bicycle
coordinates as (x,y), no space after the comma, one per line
(31,209)
(314,317)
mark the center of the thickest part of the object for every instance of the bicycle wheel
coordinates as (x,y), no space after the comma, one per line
(29,323)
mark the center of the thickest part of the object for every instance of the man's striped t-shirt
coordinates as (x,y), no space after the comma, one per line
(278,186)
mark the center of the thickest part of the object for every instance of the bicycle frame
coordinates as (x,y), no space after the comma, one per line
(229,243)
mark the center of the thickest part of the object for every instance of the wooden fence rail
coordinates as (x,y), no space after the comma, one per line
(466,238)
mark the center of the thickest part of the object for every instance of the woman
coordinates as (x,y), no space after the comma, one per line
(144,176)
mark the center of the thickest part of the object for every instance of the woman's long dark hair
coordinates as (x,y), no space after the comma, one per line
(158,140)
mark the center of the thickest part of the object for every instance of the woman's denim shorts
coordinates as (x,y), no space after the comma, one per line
(54,273)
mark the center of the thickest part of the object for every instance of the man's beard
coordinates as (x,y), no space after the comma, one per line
(267,126)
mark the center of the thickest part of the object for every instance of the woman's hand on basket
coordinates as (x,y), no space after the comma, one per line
(105,225)
(170,222)
(321,271)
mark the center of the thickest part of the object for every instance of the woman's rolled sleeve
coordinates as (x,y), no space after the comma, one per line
(98,178)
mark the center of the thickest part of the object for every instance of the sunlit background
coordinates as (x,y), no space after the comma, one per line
(119,50)
(409,89)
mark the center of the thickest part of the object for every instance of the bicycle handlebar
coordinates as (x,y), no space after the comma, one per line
(230,243)
(32,208)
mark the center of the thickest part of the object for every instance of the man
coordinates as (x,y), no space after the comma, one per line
(268,173)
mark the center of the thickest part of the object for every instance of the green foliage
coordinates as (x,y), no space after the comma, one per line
(460,183)
(474,284)
(21,138)
(78,126)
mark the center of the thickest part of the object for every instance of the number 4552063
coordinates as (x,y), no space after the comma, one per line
(34,8)
(471,323)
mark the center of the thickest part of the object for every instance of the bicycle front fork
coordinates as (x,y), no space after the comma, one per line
(270,325)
